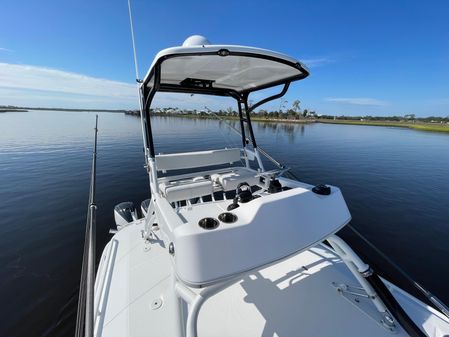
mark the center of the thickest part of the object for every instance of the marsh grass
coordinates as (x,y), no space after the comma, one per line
(433,127)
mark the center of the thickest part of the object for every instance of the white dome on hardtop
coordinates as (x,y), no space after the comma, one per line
(195,40)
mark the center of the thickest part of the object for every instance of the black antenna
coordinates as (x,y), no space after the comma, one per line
(133,41)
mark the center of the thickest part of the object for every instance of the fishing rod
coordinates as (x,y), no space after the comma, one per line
(85,312)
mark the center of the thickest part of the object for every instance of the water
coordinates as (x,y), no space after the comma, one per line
(395,182)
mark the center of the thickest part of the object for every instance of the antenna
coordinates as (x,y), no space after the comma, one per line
(132,38)
(138,80)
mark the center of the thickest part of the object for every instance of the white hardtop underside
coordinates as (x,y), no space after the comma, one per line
(243,69)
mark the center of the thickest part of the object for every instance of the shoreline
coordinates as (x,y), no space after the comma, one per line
(26,109)
(12,110)
(414,125)
(234,118)
(419,126)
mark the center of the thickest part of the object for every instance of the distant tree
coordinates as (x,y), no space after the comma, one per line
(291,114)
(305,112)
(263,113)
(282,105)
(296,105)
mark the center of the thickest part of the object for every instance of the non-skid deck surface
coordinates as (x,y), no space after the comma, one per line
(292,298)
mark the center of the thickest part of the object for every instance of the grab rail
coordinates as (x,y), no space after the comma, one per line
(85,313)
(379,294)
(437,303)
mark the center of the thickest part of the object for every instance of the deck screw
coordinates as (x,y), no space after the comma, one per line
(171,248)
(156,304)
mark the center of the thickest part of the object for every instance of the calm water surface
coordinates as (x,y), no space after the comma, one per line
(395,181)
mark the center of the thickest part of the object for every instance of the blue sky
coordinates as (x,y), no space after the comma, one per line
(365,57)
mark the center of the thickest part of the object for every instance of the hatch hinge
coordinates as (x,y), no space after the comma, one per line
(358,297)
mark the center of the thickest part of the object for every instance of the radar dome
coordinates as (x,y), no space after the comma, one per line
(195,40)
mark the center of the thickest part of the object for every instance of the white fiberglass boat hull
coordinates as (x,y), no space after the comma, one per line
(295,297)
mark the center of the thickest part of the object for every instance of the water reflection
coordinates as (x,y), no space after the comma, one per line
(290,129)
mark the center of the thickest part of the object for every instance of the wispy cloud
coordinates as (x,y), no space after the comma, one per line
(30,82)
(317,62)
(48,79)
(357,101)
(5,49)
(27,85)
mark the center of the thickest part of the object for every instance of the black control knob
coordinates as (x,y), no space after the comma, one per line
(243,193)
(274,186)
(321,189)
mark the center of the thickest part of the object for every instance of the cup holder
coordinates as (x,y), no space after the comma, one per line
(227,217)
(208,223)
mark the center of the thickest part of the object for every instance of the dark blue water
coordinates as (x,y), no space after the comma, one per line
(395,181)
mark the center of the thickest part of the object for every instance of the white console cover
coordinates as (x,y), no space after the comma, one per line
(268,228)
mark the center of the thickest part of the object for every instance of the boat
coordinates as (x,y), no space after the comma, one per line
(226,246)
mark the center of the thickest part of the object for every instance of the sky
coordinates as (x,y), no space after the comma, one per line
(365,57)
